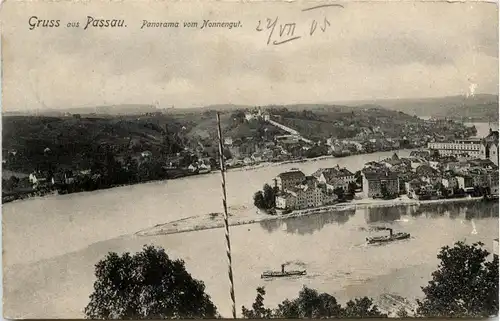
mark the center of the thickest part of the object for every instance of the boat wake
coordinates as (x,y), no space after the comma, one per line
(359,245)
(474,231)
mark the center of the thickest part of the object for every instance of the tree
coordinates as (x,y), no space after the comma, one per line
(238,116)
(258,200)
(362,308)
(258,311)
(352,188)
(444,192)
(339,191)
(146,285)
(402,313)
(11,183)
(287,309)
(309,304)
(464,285)
(269,196)
(460,192)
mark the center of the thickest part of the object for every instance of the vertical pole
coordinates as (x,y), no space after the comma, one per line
(226,223)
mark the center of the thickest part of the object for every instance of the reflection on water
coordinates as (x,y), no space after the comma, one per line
(468,211)
(308,224)
(384,214)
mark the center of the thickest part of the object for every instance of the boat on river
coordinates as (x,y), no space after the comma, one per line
(282,273)
(388,238)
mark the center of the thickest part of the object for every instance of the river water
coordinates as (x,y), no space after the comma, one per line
(483,129)
(51,244)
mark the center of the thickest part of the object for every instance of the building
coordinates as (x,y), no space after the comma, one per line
(256,114)
(287,180)
(468,148)
(376,183)
(287,139)
(307,194)
(413,187)
(39,179)
(335,177)
(228,141)
(286,200)
(428,174)
(417,162)
(146,154)
(489,150)
(392,161)
(257,157)
(465,182)
(493,182)
(420,154)
(450,182)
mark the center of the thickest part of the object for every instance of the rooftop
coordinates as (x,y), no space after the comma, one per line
(379,175)
(333,172)
(292,175)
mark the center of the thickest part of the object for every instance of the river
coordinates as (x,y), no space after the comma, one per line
(483,129)
(51,244)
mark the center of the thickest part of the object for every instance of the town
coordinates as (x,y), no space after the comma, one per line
(467,167)
(163,146)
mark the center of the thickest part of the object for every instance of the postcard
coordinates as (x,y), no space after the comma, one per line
(253,159)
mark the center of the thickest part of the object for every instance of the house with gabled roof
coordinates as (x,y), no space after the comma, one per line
(335,177)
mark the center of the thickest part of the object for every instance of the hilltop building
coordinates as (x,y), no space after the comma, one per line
(257,114)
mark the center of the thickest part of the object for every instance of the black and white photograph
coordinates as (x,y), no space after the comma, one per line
(249,159)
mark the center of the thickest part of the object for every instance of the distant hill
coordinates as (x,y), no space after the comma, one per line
(74,141)
(227,107)
(113,110)
(480,107)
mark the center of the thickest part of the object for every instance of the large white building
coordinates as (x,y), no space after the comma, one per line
(469,148)
(482,148)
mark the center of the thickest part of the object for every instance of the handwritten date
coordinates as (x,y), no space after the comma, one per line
(282,32)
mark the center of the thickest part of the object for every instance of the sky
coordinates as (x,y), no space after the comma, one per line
(367,51)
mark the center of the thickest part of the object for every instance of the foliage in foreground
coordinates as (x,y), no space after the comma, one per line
(464,285)
(312,305)
(148,285)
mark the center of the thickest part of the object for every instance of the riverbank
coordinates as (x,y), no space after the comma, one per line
(215,220)
(306,160)
(20,196)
